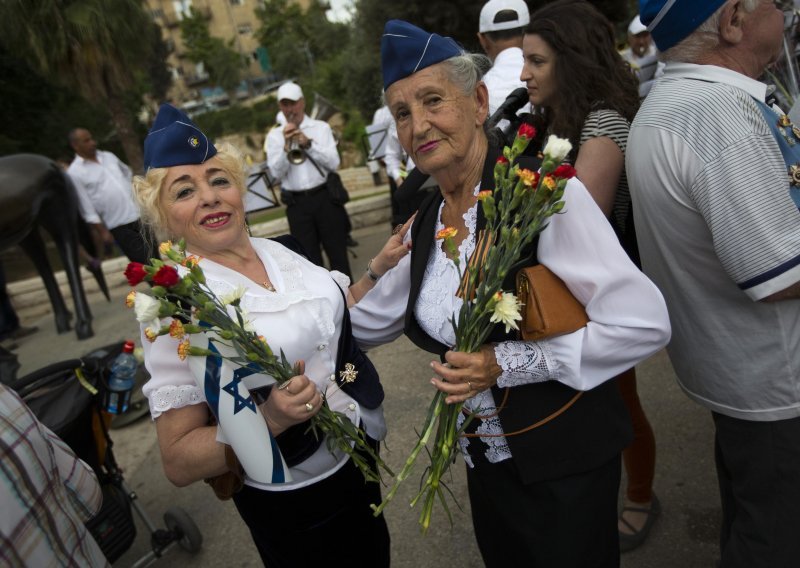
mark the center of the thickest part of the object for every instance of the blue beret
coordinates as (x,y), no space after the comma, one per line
(174,140)
(671,21)
(406,49)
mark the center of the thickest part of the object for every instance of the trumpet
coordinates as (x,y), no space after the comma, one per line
(295,154)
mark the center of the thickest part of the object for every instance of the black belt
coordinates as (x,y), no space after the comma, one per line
(308,192)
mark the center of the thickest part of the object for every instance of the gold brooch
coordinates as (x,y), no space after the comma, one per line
(794,175)
(349,374)
(784,121)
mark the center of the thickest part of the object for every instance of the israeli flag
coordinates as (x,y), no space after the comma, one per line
(240,422)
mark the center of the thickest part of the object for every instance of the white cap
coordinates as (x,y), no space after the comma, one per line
(491,8)
(636,26)
(290,91)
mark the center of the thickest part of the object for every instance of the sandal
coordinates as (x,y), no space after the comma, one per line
(628,542)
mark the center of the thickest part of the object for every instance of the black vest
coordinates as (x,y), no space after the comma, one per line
(591,432)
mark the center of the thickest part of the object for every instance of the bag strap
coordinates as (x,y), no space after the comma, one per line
(314,163)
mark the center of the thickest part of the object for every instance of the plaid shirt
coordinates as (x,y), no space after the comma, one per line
(46,494)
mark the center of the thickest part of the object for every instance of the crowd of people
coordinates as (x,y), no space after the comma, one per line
(679,230)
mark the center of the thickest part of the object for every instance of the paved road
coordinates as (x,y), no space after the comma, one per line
(685,536)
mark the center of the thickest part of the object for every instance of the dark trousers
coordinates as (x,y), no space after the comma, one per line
(133,243)
(313,220)
(758,469)
(329,523)
(569,522)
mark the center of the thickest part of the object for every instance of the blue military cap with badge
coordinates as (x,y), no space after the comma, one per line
(406,49)
(174,140)
(671,21)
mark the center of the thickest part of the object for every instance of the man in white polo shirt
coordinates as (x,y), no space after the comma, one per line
(105,200)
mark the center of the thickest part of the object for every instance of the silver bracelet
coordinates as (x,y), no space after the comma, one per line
(371,275)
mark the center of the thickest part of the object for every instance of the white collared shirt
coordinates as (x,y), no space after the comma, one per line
(304,176)
(503,78)
(104,190)
(718,231)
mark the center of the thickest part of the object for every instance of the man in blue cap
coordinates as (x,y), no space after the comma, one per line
(719,233)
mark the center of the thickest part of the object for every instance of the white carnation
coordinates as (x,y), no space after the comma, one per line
(146,308)
(506,311)
(237,293)
(557,148)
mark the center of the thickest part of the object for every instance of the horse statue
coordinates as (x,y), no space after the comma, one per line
(35,192)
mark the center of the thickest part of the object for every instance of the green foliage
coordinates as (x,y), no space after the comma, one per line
(223,64)
(260,117)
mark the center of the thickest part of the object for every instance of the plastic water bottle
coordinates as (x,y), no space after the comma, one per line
(122,380)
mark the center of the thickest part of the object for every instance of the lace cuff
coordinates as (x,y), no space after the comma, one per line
(524,363)
(169,397)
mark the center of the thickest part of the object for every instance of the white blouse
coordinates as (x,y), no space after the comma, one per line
(301,317)
(629,320)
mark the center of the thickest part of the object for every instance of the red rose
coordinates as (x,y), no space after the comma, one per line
(135,273)
(564,171)
(502,160)
(166,276)
(526,131)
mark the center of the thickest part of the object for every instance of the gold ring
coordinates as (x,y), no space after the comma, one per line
(397,228)
(309,406)
(469,384)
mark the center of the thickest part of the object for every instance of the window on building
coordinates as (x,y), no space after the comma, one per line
(237,2)
(157,13)
(244,29)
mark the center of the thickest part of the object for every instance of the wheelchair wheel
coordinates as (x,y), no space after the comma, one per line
(186,532)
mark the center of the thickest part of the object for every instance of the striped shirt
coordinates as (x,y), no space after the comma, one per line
(607,123)
(717,232)
(46,494)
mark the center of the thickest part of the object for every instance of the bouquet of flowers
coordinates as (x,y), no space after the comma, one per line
(214,330)
(516,211)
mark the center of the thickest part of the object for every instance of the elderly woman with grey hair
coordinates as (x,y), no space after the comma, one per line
(546,496)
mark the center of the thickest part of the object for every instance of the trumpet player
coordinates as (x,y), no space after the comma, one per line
(300,154)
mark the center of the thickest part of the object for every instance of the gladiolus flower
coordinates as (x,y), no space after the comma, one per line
(557,148)
(526,131)
(130,299)
(485,194)
(176,329)
(166,276)
(183,349)
(165,247)
(529,178)
(135,273)
(506,311)
(447,233)
(564,171)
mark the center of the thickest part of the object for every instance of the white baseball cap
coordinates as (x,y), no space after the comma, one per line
(491,9)
(290,91)
(636,26)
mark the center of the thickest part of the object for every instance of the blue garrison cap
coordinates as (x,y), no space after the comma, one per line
(406,49)
(174,140)
(671,21)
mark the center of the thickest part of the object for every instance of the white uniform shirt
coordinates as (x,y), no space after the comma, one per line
(503,78)
(304,176)
(717,232)
(628,316)
(647,67)
(104,190)
(396,159)
(301,317)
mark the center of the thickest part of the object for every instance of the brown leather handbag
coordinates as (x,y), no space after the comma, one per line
(549,308)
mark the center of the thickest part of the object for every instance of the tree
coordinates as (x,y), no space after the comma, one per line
(87,45)
(223,64)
